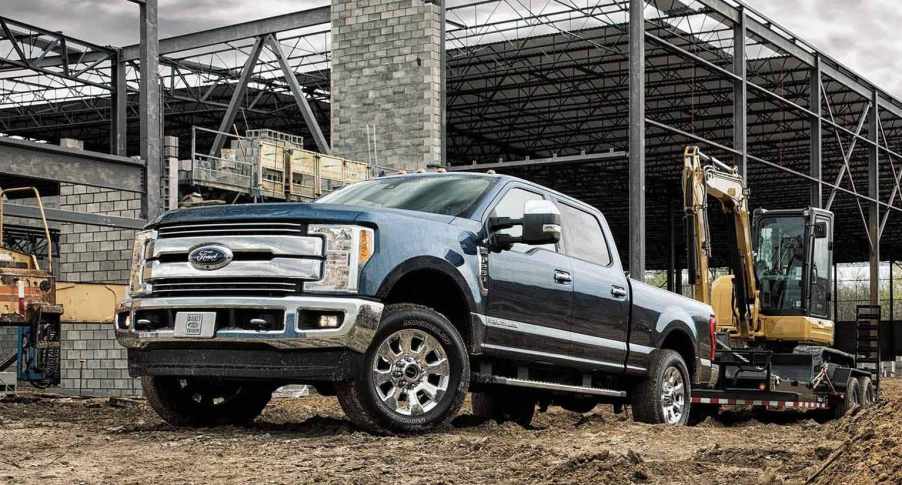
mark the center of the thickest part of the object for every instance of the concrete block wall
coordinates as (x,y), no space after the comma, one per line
(387,73)
(93,253)
(93,363)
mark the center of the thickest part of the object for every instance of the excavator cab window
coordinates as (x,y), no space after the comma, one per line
(779,263)
(821,267)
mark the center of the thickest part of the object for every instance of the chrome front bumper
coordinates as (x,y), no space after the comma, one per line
(361,319)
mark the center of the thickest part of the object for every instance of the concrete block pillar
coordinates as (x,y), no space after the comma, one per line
(387,75)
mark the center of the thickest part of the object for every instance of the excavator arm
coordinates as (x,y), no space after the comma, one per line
(705,176)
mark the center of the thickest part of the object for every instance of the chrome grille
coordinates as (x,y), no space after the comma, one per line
(203,229)
(223,287)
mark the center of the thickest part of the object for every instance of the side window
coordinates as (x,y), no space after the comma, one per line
(583,237)
(511,205)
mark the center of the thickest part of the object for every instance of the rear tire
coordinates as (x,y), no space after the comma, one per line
(664,396)
(504,405)
(868,392)
(195,402)
(414,375)
(851,400)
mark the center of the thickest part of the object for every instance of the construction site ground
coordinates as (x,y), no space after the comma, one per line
(53,439)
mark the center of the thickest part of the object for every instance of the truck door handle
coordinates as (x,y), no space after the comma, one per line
(618,292)
(562,277)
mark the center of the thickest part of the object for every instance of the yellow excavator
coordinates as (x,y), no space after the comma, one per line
(775,334)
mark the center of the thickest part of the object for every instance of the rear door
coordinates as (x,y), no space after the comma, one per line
(601,306)
(529,287)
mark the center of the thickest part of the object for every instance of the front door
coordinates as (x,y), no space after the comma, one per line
(529,289)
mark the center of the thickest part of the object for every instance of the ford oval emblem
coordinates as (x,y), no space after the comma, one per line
(210,257)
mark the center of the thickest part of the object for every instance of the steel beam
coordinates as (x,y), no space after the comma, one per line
(231,33)
(637,139)
(54,163)
(816,161)
(740,94)
(240,88)
(570,159)
(874,193)
(69,217)
(299,97)
(149,109)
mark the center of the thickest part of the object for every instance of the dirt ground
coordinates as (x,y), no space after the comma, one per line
(307,440)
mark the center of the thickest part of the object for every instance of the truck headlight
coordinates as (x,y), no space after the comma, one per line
(347,249)
(141,252)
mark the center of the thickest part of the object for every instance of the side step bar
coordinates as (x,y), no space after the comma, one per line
(551,386)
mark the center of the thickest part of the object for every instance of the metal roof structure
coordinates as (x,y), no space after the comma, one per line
(557,91)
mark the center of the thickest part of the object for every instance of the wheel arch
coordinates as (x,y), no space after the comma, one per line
(435,283)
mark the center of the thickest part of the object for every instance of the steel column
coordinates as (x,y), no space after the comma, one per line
(874,193)
(149,109)
(816,162)
(835,292)
(892,313)
(299,97)
(240,88)
(637,139)
(118,106)
(740,94)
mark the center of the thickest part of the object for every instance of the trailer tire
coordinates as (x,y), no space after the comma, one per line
(391,392)
(664,396)
(868,392)
(851,399)
(503,405)
(197,402)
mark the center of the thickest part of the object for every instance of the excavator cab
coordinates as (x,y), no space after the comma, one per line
(793,254)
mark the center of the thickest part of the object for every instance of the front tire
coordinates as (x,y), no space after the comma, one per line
(194,402)
(664,396)
(414,376)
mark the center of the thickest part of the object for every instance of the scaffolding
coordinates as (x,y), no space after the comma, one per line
(265,164)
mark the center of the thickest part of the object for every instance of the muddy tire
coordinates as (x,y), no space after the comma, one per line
(504,405)
(195,402)
(851,400)
(868,395)
(413,377)
(664,396)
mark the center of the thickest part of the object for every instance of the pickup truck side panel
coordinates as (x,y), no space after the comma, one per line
(656,314)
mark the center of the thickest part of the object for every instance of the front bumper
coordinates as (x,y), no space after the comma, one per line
(361,319)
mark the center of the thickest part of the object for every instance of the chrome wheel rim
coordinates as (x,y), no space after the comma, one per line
(410,372)
(673,395)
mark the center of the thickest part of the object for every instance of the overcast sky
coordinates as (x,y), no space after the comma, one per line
(860,33)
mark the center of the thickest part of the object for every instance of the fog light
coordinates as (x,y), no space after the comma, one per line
(318,320)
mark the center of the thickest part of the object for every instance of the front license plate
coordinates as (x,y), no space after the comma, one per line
(195,324)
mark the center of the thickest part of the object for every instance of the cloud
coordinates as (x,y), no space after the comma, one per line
(856,34)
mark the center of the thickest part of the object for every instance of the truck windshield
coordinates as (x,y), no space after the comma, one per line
(447,194)
(779,262)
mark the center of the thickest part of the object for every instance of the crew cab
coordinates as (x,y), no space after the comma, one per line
(399,295)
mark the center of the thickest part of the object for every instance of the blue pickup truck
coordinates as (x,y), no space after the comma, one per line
(399,295)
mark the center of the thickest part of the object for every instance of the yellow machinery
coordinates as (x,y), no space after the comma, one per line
(778,295)
(32,300)
(28,301)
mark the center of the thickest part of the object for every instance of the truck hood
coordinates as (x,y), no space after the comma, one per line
(324,213)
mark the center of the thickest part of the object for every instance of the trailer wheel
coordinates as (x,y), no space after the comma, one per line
(868,392)
(192,401)
(503,405)
(664,396)
(414,377)
(851,400)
